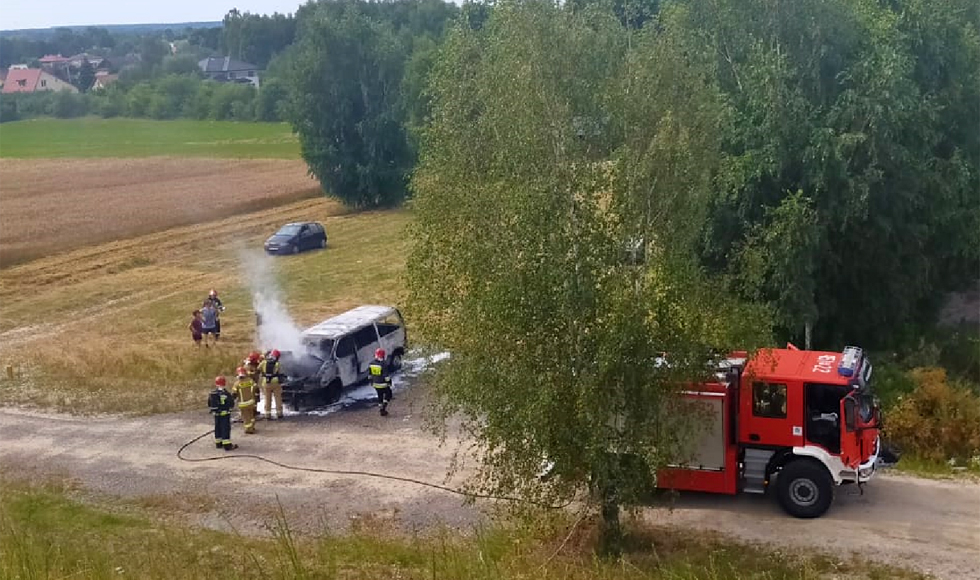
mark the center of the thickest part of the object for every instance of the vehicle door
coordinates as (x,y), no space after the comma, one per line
(347,364)
(769,413)
(367,342)
(391,332)
(850,436)
(304,240)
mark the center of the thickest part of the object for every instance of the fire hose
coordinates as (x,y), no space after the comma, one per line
(358,473)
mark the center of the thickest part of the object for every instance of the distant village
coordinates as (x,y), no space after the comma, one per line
(55,72)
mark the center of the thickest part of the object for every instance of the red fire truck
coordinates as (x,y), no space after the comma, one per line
(801,421)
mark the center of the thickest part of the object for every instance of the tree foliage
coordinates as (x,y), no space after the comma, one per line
(559,139)
(852,104)
(345,78)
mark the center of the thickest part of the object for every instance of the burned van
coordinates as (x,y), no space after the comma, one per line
(336,353)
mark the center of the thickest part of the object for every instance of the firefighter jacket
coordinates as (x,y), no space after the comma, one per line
(220,402)
(270,371)
(245,392)
(378,373)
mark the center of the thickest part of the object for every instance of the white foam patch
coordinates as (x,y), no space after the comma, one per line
(365,393)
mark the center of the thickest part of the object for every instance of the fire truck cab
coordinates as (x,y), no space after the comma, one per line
(803,422)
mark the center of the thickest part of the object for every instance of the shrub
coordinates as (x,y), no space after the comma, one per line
(938,421)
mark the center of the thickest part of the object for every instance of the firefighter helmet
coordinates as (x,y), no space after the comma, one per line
(254,357)
(219,382)
(274,354)
(379,354)
(240,371)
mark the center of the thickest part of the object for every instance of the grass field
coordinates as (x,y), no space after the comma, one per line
(129,302)
(45,534)
(54,205)
(94,137)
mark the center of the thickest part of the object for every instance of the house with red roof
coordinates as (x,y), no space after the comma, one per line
(32,80)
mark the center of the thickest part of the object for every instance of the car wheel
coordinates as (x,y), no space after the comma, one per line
(805,489)
(396,361)
(297,403)
(333,391)
(323,243)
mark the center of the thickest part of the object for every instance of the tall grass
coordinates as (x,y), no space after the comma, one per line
(43,534)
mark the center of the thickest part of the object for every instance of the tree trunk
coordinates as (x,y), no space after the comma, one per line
(610,532)
(809,333)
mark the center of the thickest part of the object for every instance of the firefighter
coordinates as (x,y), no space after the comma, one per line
(221,402)
(271,374)
(378,371)
(245,394)
(252,364)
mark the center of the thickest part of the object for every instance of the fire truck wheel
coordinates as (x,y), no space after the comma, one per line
(805,489)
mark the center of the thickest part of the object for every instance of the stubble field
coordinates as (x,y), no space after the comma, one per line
(49,206)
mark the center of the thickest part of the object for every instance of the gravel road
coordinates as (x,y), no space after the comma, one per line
(933,526)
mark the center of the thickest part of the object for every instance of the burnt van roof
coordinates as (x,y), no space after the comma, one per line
(349,321)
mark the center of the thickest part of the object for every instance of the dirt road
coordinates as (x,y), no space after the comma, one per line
(929,525)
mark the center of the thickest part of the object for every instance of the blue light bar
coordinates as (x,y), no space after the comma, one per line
(850,361)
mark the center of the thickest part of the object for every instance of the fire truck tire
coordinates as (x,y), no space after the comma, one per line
(804,489)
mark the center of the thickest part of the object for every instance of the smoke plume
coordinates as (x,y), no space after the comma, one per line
(277,328)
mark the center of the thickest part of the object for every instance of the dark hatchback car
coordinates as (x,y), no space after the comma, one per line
(297,237)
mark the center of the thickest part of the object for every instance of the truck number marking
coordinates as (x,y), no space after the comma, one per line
(825,363)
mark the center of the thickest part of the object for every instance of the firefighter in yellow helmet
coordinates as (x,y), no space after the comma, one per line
(272,377)
(245,393)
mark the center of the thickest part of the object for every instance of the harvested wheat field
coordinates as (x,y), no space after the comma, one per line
(49,206)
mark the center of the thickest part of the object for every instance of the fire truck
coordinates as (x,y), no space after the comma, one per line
(803,422)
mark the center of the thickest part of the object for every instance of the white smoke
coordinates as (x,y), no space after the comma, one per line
(277,329)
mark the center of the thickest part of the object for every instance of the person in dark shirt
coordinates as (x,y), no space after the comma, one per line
(196,327)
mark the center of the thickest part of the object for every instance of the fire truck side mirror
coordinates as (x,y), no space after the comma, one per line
(850,414)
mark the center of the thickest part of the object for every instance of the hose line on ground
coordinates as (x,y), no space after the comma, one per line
(355,473)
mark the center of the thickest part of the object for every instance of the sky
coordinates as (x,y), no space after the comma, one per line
(16,14)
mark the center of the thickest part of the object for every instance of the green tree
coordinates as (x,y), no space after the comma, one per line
(86,76)
(182,64)
(862,107)
(345,107)
(559,140)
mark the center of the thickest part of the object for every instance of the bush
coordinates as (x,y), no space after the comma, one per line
(8,109)
(68,105)
(938,421)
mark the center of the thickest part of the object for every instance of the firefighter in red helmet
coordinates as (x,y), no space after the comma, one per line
(245,394)
(221,402)
(381,380)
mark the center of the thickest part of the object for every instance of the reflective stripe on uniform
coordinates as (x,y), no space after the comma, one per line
(250,403)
